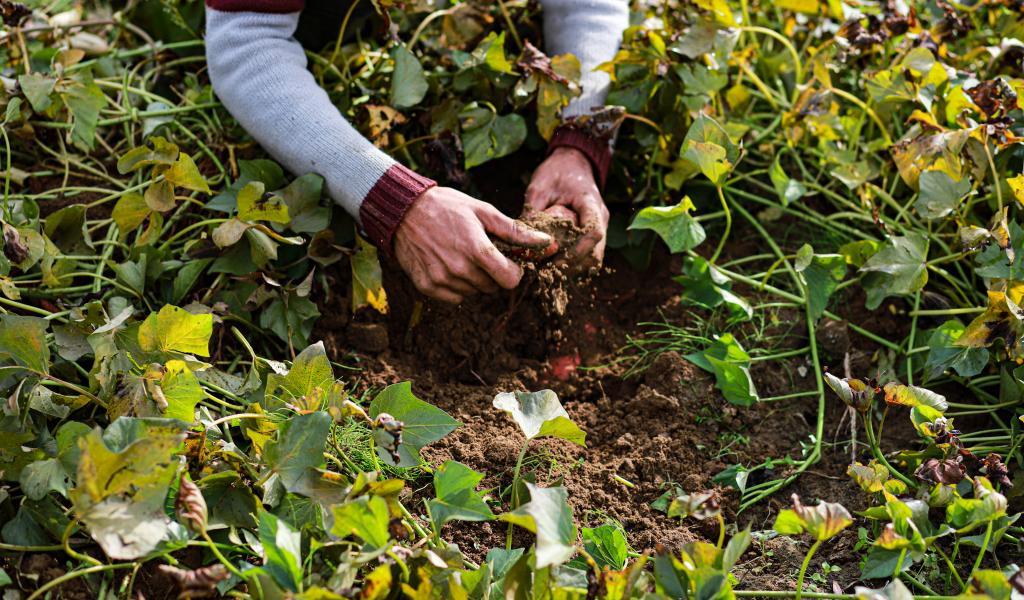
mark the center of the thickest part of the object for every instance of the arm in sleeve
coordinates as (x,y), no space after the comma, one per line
(258,71)
(592,31)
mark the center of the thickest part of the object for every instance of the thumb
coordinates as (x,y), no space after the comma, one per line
(510,230)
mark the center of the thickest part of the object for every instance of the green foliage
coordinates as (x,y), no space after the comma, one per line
(159,280)
(547,515)
(456,497)
(730,364)
(540,414)
(674,224)
(421,423)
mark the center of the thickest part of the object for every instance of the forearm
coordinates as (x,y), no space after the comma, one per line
(591,30)
(259,72)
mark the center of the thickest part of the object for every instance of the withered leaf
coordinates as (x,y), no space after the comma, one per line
(949,471)
(996,470)
(197,583)
(15,249)
(190,505)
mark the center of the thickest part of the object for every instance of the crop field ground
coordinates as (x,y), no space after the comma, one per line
(797,375)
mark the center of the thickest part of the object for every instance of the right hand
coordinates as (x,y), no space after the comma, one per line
(442,245)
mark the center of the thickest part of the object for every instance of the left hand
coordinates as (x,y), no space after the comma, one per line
(565,180)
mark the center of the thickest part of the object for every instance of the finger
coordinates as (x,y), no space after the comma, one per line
(589,250)
(592,217)
(510,230)
(497,266)
(479,279)
(444,295)
(588,211)
(460,286)
(561,211)
(536,201)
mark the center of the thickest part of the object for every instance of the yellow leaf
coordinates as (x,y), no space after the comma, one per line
(809,7)
(1000,321)
(184,173)
(367,284)
(176,329)
(129,212)
(1017,185)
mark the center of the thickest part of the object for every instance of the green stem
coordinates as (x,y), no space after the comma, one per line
(721,530)
(515,489)
(41,591)
(728,225)
(981,553)
(877,453)
(950,566)
(803,568)
(66,546)
(797,65)
(223,559)
(899,563)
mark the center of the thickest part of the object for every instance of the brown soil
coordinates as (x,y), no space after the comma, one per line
(667,428)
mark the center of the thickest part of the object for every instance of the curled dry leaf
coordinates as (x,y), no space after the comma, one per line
(699,505)
(190,505)
(533,60)
(13,13)
(996,470)
(387,432)
(1017,581)
(856,393)
(197,583)
(15,249)
(949,471)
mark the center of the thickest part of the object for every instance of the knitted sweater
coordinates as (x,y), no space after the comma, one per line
(258,70)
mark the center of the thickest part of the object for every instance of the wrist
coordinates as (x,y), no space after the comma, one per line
(389,201)
(596,152)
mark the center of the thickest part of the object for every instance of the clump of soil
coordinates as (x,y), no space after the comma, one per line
(550,268)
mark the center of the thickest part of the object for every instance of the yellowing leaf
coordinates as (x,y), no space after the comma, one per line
(129,212)
(157,152)
(184,173)
(181,391)
(23,340)
(912,396)
(160,196)
(720,9)
(1000,321)
(120,493)
(254,204)
(175,329)
(229,232)
(809,7)
(1017,185)
(367,284)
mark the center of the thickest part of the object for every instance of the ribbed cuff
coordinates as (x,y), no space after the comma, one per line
(263,6)
(598,151)
(387,202)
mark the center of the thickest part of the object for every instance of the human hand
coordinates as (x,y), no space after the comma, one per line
(442,245)
(565,180)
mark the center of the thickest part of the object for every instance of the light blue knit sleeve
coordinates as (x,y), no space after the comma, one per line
(592,31)
(258,71)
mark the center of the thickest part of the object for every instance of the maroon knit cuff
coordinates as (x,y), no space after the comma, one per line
(387,202)
(598,151)
(263,6)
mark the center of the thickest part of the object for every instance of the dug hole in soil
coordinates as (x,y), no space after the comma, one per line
(665,427)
